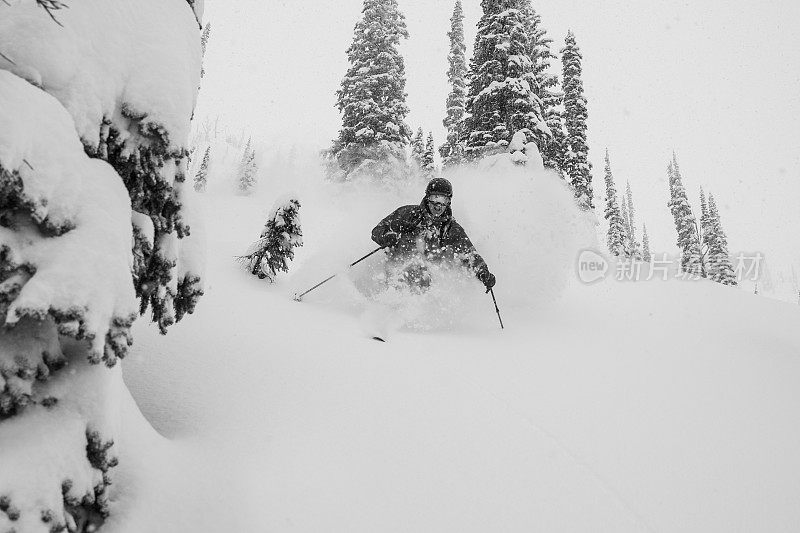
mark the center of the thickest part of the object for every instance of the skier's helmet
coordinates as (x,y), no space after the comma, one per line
(439,186)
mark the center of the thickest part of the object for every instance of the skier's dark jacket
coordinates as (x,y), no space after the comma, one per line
(418,234)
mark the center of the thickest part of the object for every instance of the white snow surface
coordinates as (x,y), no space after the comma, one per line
(106,55)
(652,406)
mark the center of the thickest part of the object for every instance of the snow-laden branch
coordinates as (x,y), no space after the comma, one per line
(67,225)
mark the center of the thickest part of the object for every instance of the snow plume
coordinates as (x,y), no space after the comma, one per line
(526,225)
(383,162)
(523,221)
(605,425)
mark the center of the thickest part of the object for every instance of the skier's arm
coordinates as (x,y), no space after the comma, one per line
(470,257)
(388,230)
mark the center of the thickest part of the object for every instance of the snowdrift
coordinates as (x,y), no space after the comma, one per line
(604,407)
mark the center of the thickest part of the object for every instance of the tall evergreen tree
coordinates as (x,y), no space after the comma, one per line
(576,161)
(248,171)
(428,166)
(705,222)
(720,268)
(418,148)
(646,255)
(635,247)
(685,223)
(204,38)
(501,100)
(706,233)
(452,151)
(616,225)
(555,153)
(545,87)
(203,44)
(201,178)
(626,233)
(372,97)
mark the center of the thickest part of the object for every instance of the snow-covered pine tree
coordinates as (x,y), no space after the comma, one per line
(646,255)
(418,149)
(248,171)
(720,268)
(250,176)
(635,247)
(545,87)
(201,178)
(616,224)
(203,43)
(501,99)
(706,231)
(275,248)
(555,152)
(576,161)
(452,151)
(92,216)
(554,156)
(204,38)
(428,165)
(372,97)
(626,232)
(685,223)
(246,151)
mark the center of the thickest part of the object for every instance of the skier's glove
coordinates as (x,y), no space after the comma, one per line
(487,278)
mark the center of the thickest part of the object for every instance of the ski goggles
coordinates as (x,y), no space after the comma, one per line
(439,201)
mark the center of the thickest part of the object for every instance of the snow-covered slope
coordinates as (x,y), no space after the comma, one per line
(661,406)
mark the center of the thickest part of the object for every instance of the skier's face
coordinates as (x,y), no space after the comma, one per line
(438,204)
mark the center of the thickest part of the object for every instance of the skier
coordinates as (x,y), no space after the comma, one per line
(416,236)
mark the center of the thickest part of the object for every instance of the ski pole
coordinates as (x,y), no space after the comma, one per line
(496,309)
(297,297)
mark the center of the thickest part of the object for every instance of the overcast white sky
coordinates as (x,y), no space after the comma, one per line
(718,82)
